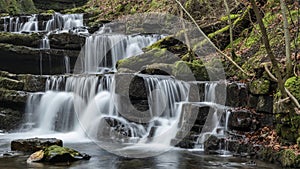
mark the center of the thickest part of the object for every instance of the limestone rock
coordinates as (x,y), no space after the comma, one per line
(11,84)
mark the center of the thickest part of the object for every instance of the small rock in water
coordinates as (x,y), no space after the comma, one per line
(55,154)
(36,157)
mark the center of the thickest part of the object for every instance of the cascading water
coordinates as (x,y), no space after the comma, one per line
(214,125)
(31,25)
(102,51)
(64,22)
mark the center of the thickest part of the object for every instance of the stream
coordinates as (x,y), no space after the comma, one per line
(175,158)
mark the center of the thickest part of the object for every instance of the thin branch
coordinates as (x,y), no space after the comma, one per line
(269,72)
(217,49)
(290,95)
(230,25)
(293,98)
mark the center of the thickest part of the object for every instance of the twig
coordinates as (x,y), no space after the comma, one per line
(217,49)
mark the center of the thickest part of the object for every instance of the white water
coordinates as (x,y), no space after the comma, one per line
(64,22)
(212,125)
(102,51)
(30,23)
(77,104)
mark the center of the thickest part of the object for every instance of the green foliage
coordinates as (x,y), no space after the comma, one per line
(232,17)
(260,86)
(14,7)
(293,85)
(287,158)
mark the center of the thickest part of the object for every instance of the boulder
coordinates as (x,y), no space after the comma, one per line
(55,154)
(34,144)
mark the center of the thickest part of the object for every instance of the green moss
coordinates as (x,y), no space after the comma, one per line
(293,85)
(260,86)
(287,158)
(235,24)
(54,150)
(232,17)
(196,67)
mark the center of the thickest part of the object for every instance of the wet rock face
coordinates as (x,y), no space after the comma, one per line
(34,144)
(66,41)
(9,119)
(237,95)
(242,120)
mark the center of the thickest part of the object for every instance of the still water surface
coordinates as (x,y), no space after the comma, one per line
(173,159)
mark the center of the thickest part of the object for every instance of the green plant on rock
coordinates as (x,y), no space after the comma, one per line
(287,158)
(293,85)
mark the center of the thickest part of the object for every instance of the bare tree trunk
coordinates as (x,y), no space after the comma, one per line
(233,55)
(268,48)
(287,37)
(230,24)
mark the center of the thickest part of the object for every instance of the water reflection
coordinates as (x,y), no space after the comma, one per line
(174,159)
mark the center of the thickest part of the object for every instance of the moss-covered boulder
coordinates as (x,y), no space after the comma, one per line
(196,68)
(55,154)
(63,154)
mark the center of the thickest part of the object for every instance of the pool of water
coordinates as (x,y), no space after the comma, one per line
(175,158)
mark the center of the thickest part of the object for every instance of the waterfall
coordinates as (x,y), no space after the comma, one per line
(102,51)
(31,25)
(64,22)
(83,103)
(67,64)
(60,22)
